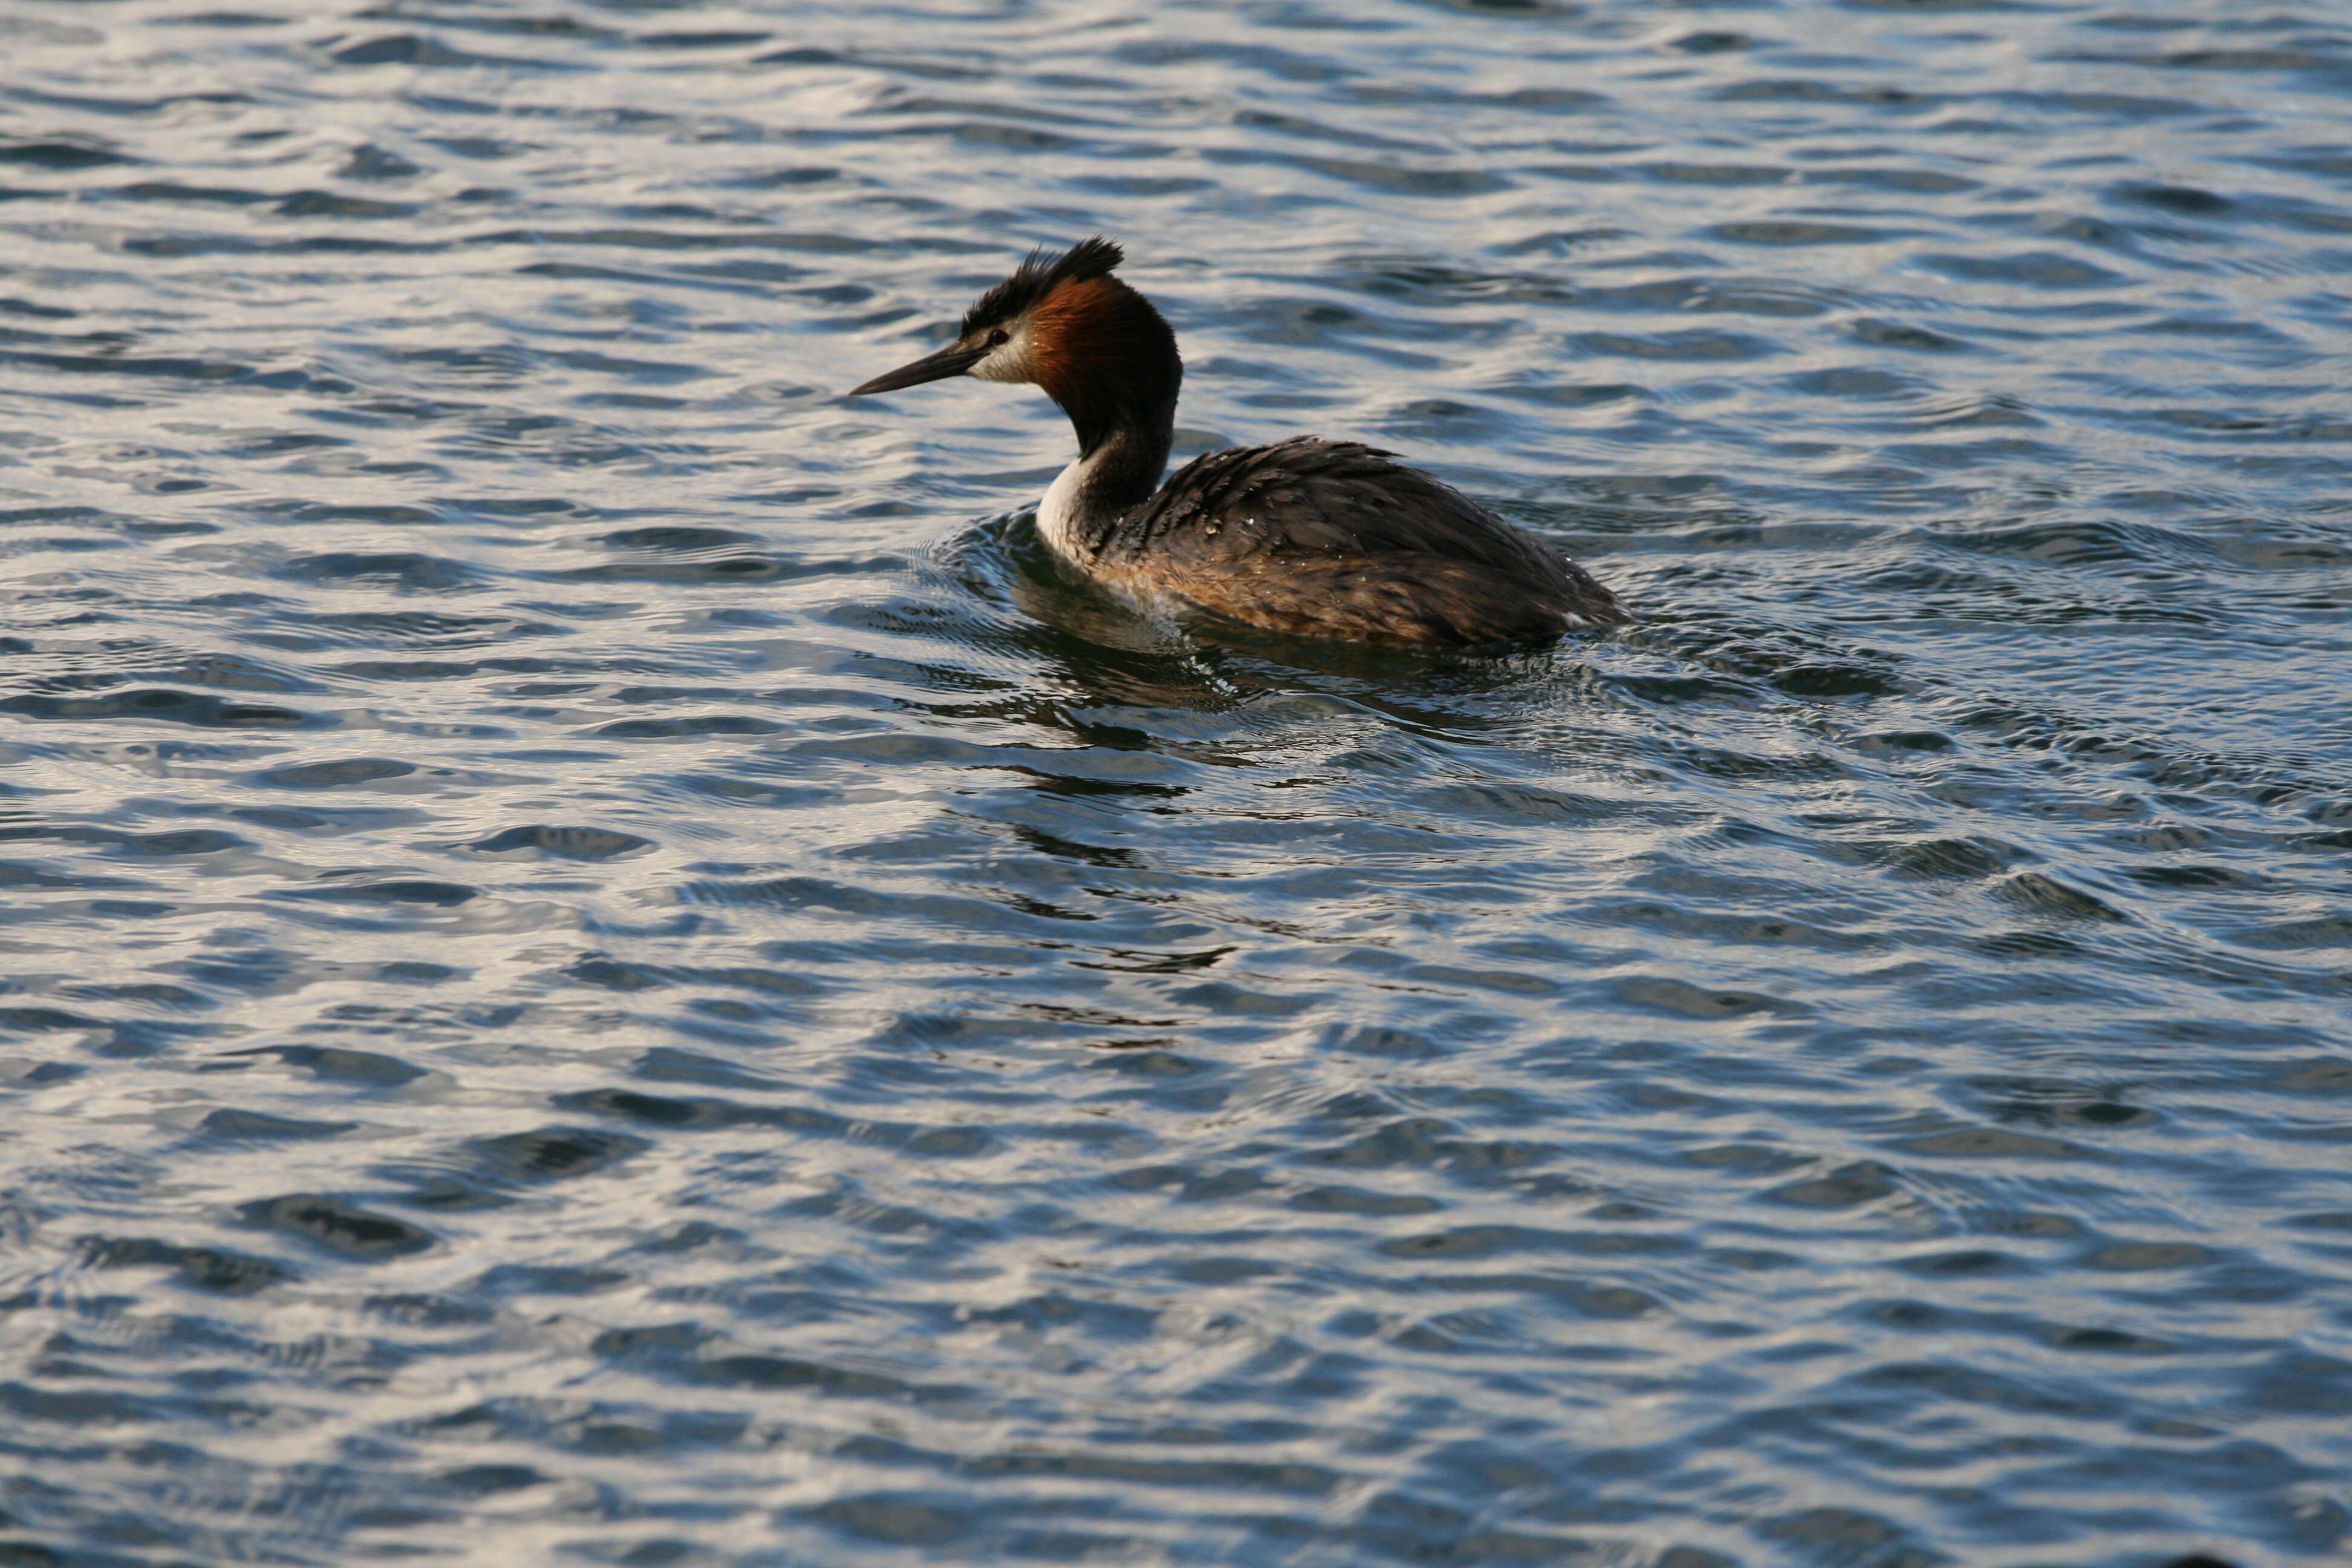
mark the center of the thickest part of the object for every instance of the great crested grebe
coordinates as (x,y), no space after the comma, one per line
(1314,538)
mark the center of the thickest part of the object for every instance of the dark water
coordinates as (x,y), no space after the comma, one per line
(604,967)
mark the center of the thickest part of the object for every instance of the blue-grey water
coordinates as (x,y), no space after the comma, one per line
(605,964)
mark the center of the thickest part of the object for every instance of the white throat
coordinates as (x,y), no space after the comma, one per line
(1062,516)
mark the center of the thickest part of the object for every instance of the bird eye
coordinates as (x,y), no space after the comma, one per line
(999,337)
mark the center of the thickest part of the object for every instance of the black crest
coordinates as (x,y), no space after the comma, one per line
(1039,275)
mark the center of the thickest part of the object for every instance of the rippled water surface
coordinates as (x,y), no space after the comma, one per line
(605,964)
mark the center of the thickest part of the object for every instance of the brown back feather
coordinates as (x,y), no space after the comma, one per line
(1334,539)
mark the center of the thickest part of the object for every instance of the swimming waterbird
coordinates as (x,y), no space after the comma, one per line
(1308,537)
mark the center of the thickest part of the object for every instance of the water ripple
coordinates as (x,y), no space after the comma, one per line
(610,964)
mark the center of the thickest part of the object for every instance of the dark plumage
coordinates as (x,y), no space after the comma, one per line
(1335,538)
(1040,273)
(1315,538)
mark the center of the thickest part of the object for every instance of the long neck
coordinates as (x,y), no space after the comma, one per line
(1120,395)
(1118,470)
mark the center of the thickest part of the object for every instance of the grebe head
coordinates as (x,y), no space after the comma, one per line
(1064,323)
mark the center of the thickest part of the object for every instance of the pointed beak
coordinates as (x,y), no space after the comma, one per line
(948,362)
